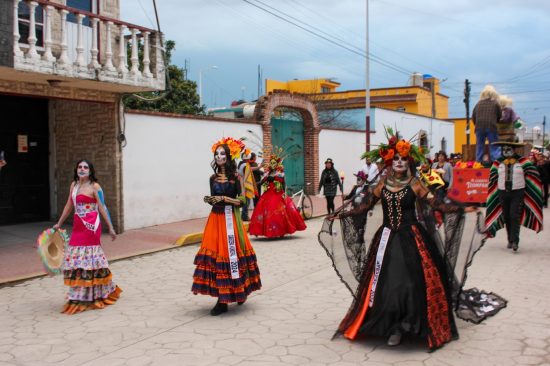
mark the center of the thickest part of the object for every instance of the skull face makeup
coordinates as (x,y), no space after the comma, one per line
(273,164)
(400,164)
(220,156)
(507,151)
(83,170)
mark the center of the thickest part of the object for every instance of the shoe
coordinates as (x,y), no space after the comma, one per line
(394,339)
(509,246)
(515,247)
(218,309)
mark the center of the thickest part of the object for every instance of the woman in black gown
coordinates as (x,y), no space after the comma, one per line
(403,286)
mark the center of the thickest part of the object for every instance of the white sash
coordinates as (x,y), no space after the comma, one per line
(89,226)
(231,243)
(378,265)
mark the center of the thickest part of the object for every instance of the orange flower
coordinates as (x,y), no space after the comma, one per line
(389,154)
(403,147)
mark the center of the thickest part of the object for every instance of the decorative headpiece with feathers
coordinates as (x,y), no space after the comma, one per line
(235,146)
(394,146)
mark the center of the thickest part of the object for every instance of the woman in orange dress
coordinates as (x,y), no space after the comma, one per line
(226,265)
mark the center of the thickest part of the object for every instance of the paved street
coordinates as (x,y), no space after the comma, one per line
(290,321)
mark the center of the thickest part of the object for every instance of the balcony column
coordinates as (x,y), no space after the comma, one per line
(122,63)
(63,58)
(159,56)
(80,61)
(16,49)
(31,53)
(94,64)
(109,49)
(48,56)
(134,58)
(146,60)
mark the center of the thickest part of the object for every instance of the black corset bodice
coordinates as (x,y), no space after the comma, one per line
(398,207)
(229,189)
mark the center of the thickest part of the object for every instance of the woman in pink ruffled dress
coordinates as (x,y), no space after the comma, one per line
(85,268)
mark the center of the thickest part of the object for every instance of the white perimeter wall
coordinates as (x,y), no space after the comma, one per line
(409,125)
(166,164)
(345,149)
(166,167)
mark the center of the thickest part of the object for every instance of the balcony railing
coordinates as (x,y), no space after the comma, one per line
(95,52)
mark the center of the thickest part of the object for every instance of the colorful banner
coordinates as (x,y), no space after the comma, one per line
(469,185)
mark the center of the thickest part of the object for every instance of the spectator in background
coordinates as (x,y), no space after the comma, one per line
(487,113)
(371,171)
(445,170)
(330,181)
(257,172)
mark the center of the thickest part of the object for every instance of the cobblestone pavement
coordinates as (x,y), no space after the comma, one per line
(290,321)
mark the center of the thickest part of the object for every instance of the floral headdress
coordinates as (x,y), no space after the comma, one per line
(235,146)
(394,146)
(277,155)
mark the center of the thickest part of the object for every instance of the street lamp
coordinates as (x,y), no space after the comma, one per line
(200,80)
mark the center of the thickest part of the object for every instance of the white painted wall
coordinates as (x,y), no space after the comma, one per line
(166,164)
(409,125)
(166,167)
(345,149)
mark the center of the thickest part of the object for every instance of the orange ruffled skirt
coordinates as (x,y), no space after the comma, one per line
(212,273)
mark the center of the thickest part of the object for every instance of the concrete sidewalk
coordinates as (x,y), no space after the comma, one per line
(19,261)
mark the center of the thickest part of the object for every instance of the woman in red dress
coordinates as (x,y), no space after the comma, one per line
(275,215)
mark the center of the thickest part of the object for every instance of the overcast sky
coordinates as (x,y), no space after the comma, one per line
(504,42)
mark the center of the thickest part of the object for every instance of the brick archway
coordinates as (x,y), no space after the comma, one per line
(265,107)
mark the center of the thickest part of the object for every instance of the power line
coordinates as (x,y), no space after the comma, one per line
(352,50)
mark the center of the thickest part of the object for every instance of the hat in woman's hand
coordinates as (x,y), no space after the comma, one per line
(51,246)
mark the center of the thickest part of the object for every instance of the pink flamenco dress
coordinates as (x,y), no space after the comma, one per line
(275,216)
(85,267)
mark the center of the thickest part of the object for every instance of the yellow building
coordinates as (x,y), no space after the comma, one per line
(417,98)
(460,133)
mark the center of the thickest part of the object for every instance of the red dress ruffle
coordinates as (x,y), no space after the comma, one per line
(274,216)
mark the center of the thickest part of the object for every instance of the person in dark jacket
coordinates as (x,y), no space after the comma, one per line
(487,113)
(330,181)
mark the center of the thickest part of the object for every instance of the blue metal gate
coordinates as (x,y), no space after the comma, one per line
(288,132)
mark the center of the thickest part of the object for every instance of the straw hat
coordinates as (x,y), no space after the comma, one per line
(50,246)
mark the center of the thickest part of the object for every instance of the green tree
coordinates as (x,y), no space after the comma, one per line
(180,97)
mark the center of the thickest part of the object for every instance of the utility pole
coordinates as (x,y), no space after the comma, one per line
(259,81)
(467,90)
(367,83)
(433,99)
(543,130)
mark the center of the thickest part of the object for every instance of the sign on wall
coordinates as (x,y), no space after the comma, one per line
(22,143)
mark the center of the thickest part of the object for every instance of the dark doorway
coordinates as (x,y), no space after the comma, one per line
(24,181)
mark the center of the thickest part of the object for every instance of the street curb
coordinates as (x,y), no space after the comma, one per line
(183,240)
